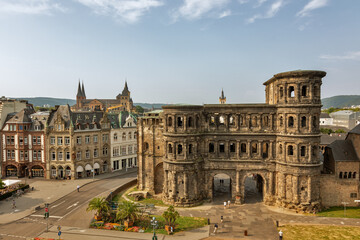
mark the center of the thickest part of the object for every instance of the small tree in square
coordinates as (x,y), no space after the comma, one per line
(170,216)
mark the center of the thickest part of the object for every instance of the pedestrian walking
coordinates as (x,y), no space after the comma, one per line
(78,188)
(13,204)
(225,205)
(280,235)
(215,228)
(222,219)
(228,203)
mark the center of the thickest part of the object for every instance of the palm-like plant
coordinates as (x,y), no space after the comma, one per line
(127,211)
(100,205)
(170,216)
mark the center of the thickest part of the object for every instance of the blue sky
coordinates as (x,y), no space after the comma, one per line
(178,51)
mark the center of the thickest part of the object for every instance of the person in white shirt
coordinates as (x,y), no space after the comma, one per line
(280,235)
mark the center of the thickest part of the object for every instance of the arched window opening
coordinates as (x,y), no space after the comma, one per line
(190,148)
(222,147)
(265,150)
(232,147)
(280,149)
(190,122)
(349,175)
(146,146)
(115,137)
(340,175)
(243,147)
(304,91)
(345,175)
(211,148)
(266,121)
(212,120)
(253,121)
(291,92)
(242,120)
(281,121)
(290,150)
(303,121)
(254,148)
(170,148)
(179,122)
(281,92)
(302,151)
(354,175)
(179,149)
(222,120)
(231,120)
(291,122)
(169,121)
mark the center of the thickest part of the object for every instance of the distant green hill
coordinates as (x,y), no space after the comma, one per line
(341,101)
(41,101)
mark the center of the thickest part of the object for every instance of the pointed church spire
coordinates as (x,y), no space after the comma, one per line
(126,91)
(79,92)
(222,93)
(222,98)
(83,90)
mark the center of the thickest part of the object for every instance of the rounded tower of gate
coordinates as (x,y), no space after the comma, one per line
(296,95)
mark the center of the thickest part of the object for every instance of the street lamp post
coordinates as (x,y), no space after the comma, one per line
(154,223)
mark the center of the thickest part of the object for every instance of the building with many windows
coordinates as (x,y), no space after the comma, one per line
(123,140)
(23,142)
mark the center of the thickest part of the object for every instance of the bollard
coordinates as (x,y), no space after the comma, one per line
(277,223)
(208,221)
(245,233)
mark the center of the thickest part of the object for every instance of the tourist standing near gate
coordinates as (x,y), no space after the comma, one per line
(225,205)
(215,228)
(280,235)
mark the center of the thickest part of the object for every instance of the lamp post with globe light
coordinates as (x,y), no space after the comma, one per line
(154,223)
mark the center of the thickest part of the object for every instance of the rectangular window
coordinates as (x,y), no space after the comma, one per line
(87,139)
(26,155)
(52,140)
(222,147)
(78,155)
(8,140)
(60,155)
(25,141)
(34,140)
(53,172)
(39,155)
(134,135)
(34,155)
(78,140)
(123,163)
(105,151)
(39,140)
(14,127)
(20,127)
(53,156)
(353,195)
(105,138)
(95,153)
(11,127)
(232,147)
(67,140)
(95,138)
(8,154)
(116,151)
(21,155)
(12,140)
(12,154)
(21,140)
(129,149)
(87,154)
(59,140)
(123,150)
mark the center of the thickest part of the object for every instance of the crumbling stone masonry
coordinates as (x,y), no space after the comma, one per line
(182,147)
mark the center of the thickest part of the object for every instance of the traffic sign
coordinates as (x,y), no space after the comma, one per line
(59,233)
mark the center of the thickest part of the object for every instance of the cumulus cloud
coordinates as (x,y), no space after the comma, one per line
(355,55)
(31,7)
(312,5)
(195,9)
(129,11)
(225,14)
(272,11)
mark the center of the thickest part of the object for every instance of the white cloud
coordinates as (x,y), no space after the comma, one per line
(243,1)
(129,11)
(195,9)
(347,56)
(225,13)
(31,7)
(272,11)
(312,5)
(260,2)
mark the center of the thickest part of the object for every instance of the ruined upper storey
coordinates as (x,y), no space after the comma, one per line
(294,87)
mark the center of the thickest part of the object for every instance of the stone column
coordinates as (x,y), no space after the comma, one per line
(227,149)
(309,189)
(271,183)
(282,182)
(166,183)
(237,150)
(166,149)
(260,148)
(237,197)
(295,180)
(237,122)
(271,154)
(174,185)
(185,123)
(248,148)
(174,122)
(186,194)
(226,122)
(216,146)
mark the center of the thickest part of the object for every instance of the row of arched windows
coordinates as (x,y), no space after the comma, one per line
(291,91)
(303,121)
(346,175)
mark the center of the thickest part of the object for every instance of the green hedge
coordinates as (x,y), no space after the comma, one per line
(9,194)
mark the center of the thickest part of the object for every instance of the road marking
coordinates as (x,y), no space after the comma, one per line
(58,204)
(14,236)
(74,205)
(34,215)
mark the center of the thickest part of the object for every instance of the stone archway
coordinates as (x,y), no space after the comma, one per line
(221,188)
(159,178)
(254,188)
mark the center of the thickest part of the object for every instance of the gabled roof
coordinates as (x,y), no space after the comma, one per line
(343,150)
(324,115)
(326,139)
(355,130)
(84,120)
(21,117)
(119,120)
(63,112)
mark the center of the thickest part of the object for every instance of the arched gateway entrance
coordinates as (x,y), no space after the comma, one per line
(253,188)
(221,188)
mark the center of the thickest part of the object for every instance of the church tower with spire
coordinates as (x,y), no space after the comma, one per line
(222,98)
(80,96)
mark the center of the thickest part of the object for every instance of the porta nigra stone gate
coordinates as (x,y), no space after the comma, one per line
(182,147)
